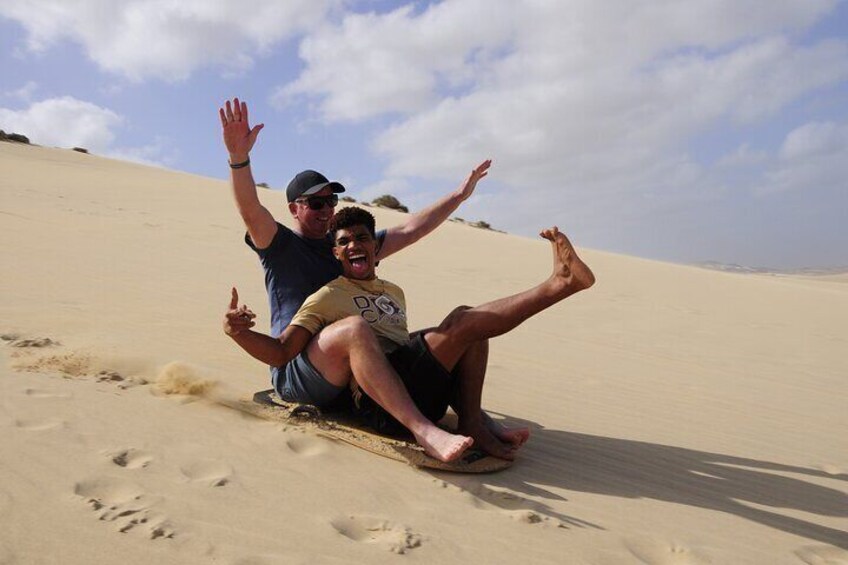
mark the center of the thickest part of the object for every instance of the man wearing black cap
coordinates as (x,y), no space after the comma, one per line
(299,261)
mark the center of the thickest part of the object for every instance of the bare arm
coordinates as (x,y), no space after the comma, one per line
(273,352)
(239,139)
(428,219)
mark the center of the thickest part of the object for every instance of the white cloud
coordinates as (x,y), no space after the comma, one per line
(64,122)
(743,156)
(400,61)
(548,126)
(588,109)
(377,63)
(163,38)
(68,122)
(556,91)
(813,158)
(753,80)
(814,139)
(23,93)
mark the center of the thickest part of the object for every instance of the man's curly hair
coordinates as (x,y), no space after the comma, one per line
(353,216)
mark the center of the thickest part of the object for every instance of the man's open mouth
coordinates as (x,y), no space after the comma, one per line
(358,265)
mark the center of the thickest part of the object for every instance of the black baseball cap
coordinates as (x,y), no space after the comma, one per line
(309,182)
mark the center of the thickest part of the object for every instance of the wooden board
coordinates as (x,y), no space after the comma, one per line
(344,427)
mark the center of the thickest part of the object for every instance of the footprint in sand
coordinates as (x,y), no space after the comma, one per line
(72,364)
(110,376)
(68,364)
(37,393)
(392,537)
(76,365)
(822,555)
(655,552)
(307,446)
(39,425)
(15,341)
(126,506)
(211,473)
(130,458)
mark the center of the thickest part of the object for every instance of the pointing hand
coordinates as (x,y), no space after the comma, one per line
(237,319)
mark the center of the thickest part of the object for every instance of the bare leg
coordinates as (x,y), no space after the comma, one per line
(472,366)
(461,342)
(463,327)
(348,349)
(471,372)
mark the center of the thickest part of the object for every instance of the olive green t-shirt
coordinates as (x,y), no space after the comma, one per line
(380,303)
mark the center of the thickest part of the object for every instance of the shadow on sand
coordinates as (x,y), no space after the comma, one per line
(633,469)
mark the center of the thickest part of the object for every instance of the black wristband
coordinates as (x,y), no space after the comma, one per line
(240,165)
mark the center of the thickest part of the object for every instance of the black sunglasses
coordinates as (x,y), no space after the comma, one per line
(318,202)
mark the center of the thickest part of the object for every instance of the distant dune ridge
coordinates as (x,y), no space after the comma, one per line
(679,415)
(805,271)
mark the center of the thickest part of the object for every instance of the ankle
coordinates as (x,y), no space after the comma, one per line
(465,423)
(420,428)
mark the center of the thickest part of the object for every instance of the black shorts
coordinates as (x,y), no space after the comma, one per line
(430,385)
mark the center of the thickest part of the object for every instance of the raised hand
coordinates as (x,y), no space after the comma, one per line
(466,189)
(238,135)
(237,319)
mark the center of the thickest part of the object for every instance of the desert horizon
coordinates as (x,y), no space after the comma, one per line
(390,202)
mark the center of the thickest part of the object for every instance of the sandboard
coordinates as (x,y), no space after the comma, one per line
(344,427)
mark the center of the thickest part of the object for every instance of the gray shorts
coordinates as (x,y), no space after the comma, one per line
(300,381)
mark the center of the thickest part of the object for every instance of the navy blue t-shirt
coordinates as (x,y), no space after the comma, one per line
(295,267)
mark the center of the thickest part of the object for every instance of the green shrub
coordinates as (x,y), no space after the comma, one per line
(389,201)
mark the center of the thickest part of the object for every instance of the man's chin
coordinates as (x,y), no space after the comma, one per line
(319,226)
(360,276)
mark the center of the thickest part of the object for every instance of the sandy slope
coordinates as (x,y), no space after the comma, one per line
(680,416)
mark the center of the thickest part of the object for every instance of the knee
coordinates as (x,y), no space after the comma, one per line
(455,318)
(355,328)
(458,312)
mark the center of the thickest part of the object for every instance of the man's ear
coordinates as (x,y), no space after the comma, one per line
(293,209)
(380,238)
(337,252)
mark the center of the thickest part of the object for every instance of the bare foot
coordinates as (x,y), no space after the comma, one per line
(487,442)
(567,265)
(514,436)
(443,445)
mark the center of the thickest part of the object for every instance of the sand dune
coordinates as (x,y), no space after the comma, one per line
(679,415)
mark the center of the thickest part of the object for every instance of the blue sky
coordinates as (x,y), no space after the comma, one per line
(683,131)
